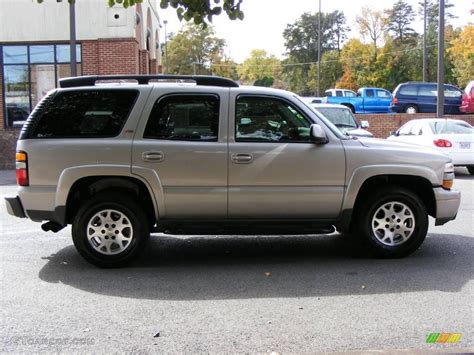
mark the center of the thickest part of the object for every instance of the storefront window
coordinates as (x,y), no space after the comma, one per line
(29,72)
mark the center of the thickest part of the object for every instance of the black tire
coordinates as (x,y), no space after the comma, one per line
(411,108)
(470,168)
(371,205)
(138,232)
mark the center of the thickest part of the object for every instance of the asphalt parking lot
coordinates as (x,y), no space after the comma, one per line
(236,294)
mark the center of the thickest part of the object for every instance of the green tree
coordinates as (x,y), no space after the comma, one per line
(331,72)
(356,58)
(258,66)
(225,67)
(399,19)
(200,12)
(301,42)
(194,50)
(432,14)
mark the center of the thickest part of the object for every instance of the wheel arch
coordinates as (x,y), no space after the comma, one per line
(359,188)
(78,183)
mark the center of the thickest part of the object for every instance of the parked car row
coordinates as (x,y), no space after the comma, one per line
(455,138)
(410,97)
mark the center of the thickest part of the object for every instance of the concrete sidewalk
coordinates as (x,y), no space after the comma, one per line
(7,177)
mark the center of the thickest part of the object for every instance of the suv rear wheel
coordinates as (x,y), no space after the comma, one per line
(392,223)
(110,229)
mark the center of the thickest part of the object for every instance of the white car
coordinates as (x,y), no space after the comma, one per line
(343,118)
(455,138)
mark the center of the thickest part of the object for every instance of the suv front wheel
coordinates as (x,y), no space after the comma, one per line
(110,229)
(393,222)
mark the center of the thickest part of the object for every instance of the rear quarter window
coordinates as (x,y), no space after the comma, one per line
(85,114)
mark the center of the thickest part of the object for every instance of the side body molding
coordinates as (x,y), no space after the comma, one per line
(69,176)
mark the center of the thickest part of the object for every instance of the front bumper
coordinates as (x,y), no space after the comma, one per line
(14,207)
(447,205)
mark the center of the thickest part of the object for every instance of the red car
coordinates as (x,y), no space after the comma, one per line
(467,105)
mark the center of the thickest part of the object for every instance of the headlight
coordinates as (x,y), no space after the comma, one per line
(448,176)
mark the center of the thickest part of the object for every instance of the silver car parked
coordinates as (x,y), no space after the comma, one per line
(122,160)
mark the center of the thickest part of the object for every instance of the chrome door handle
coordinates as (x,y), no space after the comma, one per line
(242,158)
(153,156)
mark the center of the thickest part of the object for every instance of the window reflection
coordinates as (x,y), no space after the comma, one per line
(17,100)
(30,72)
(15,55)
(42,54)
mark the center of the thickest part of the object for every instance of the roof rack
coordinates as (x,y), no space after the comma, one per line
(202,80)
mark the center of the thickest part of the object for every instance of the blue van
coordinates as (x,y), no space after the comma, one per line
(413,97)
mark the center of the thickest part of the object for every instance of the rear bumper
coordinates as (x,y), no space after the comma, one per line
(447,205)
(14,207)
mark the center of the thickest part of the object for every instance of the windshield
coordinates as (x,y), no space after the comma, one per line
(342,118)
(451,127)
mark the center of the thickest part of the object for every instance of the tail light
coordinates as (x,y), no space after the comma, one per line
(22,169)
(394,101)
(442,143)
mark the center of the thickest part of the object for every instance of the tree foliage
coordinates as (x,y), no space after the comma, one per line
(371,24)
(258,66)
(200,12)
(194,49)
(462,54)
(301,42)
(399,19)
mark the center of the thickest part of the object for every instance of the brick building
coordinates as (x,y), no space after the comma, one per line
(34,52)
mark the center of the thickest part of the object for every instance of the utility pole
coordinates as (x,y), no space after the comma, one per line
(425,79)
(165,22)
(72,34)
(319,48)
(440,101)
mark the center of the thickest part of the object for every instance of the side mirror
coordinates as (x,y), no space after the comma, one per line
(317,134)
(364,124)
(394,133)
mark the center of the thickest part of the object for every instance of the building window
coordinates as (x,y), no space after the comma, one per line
(29,72)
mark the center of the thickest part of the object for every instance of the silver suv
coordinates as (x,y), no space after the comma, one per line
(194,154)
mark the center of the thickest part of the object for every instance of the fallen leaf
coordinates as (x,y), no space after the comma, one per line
(362,287)
(157,335)
(268,274)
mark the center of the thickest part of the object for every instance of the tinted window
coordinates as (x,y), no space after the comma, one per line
(329,93)
(427,90)
(338,93)
(408,90)
(269,120)
(184,117)
(82,114)
(349,94)
(369,93)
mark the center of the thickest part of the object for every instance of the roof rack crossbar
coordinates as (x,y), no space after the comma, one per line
(202,80)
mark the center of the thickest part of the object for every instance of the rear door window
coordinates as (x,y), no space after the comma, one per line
(184,117)
(86,114)
(408,90)
(427,90)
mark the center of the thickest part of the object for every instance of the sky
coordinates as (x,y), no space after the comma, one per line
(265,21)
